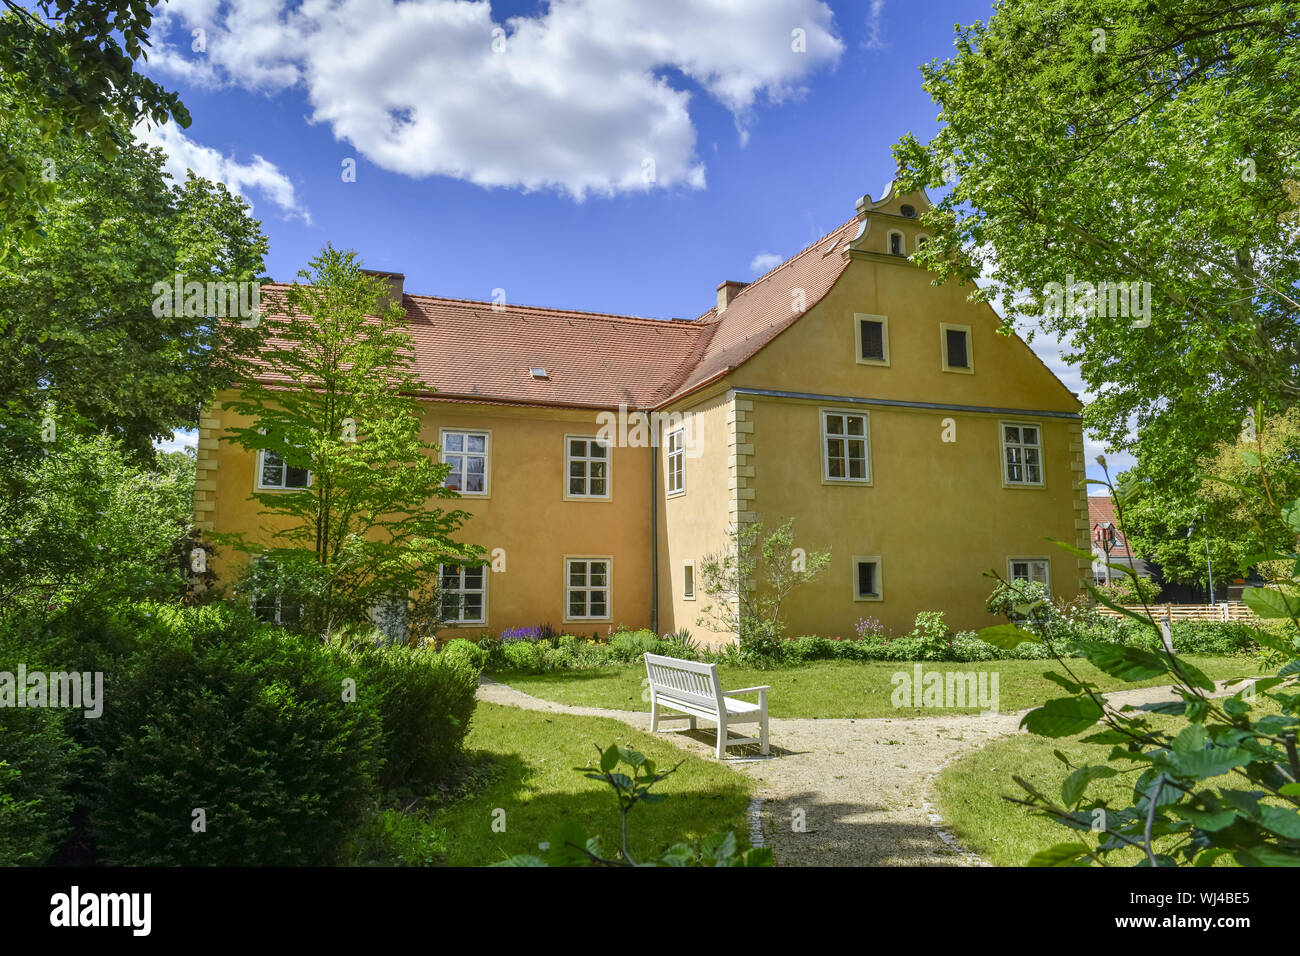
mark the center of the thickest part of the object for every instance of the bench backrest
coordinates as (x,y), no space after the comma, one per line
(689,681)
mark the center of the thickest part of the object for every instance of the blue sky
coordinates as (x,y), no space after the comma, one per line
(620,157)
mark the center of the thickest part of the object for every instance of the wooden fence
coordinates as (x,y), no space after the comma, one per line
(1223,611)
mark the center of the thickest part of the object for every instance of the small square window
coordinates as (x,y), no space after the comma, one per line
(1036,570)
(872,338)
(866,579)
(955,341)
(688,580)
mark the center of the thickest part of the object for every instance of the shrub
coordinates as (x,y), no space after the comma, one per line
(466,652)
(251,729)
(425,701)
(632,646)
(523,656)
(35,805)
(931,637)
(1126,590)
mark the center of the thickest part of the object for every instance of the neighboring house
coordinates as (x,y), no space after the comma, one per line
(1106,532)
(886,415)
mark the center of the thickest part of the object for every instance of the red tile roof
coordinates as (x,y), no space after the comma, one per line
(1102,509)
(469,350)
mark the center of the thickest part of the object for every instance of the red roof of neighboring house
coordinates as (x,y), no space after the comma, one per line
(469,350)
(1102,509)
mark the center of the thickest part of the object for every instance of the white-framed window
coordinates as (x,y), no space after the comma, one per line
(956,343)
(688,580)
(274,475)
(921,240)
(1022,453)
(1030,569)
(463,593)
(871,338)
(897,246)
(866,578)
(587,463)
(586,589)
(845,454)
(467,454)
(676,459)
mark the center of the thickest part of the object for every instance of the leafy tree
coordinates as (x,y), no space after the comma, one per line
(74,82)
(79,330)
(336,397)
(1181,812)
(1144,141)
(86,525)
(1221,506)
(748,582)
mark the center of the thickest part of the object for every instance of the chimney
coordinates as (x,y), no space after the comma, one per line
(395,282)
(728,291)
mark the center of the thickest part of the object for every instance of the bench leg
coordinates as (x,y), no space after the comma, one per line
(654,714)
(722,738)
(762,735)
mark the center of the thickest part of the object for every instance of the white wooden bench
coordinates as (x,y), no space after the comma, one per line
(694,690)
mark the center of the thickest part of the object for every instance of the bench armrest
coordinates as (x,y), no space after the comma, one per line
(749,690)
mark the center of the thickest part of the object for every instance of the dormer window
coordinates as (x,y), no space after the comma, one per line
(538,373)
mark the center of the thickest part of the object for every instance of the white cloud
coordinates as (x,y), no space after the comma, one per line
(875,40)
(184,153)
(579,98)
(764,262)
(180,440)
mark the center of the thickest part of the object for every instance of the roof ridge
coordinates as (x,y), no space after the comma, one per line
(777,268)
(536,308)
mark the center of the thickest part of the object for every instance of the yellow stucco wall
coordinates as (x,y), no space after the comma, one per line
(938,514)
(525,513)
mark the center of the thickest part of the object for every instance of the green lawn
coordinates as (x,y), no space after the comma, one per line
(536,786)
(841,688)
(969,793)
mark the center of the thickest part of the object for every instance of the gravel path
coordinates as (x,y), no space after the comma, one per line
(840,792)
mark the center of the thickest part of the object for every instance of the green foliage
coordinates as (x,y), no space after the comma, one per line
(79,337)
(1130,591)
(84,525)
(1219,504)
(569,844)
(467,653)
(247,723)
(35,774)
(1042,118)
(748,581)
(349,416)
(425,701)
(1179,814)
(71,68)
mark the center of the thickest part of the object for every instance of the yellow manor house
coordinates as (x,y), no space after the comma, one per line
(884,414)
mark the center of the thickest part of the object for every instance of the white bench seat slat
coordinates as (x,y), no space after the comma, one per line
(693,689)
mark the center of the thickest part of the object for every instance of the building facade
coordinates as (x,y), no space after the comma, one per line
(603,458)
